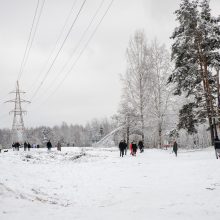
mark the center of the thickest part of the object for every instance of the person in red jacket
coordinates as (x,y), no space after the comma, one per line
(131,148)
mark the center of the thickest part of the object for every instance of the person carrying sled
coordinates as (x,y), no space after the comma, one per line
(121,148)
(141,146)
(175,148)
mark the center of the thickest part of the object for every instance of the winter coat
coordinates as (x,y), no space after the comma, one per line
(134,147)
(140,145)
(25,145)
(121,146)
(49,145)
(175,148)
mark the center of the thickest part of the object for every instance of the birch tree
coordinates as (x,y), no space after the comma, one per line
(136,79)
(160,93)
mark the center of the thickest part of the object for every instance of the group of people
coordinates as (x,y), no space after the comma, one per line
(16,146)
(27,146)
(133,147)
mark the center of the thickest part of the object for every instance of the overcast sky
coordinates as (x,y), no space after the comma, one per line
(92,89)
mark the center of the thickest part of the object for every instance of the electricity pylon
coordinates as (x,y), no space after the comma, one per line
(18,130)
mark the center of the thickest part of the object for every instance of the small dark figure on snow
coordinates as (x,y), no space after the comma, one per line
(141,146)
(29,146)
(125,147)
(134,148)
(175,148)
(17,146)
(13,146)
(59,146)
(121,148)
(25,146)
(49,145)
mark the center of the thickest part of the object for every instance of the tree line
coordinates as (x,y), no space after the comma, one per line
(166,96)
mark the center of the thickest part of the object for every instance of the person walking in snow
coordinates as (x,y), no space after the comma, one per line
(141,146)
(134,148)
(59,146)
(17,146)
(29,146)
(121,148)
(125,147)
(13,146)
(25,146)
(49,145)
(131,150)
(175,148)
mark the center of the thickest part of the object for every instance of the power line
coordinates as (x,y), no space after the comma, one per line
(56,44)
(78,44)
(55,58)
(81,52)
(28,42)
(34,34)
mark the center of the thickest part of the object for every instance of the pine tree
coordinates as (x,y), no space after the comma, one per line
(195,54)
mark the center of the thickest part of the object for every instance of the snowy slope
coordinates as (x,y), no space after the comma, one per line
(98,184)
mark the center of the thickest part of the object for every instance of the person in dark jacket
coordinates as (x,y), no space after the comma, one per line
(175,148)
(49,145)
(17,146)
(121,148)
(125,147)
(25,146)
(29,146)
(141,146)
(134,148)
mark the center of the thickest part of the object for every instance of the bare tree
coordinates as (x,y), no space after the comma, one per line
(160,92)
(136,80)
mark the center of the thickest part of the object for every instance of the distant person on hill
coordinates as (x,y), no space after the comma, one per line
(49,145)
(134,148)
(121,148)
(175,148)
(141,146)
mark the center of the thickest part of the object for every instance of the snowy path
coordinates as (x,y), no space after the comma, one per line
(100,185)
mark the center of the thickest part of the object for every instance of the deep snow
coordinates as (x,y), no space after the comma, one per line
(97,184)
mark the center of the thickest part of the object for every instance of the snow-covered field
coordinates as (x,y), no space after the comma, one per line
(99,185)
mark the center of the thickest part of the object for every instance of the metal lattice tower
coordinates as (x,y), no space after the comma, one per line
(18,129)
